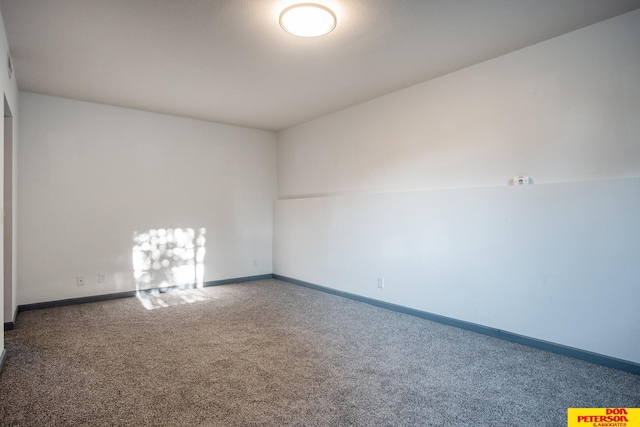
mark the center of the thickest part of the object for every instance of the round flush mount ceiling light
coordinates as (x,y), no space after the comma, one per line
(308,20)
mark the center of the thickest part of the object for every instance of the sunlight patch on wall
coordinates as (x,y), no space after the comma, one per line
(168,265)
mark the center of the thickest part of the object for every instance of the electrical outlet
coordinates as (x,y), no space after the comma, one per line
(381,282)
(80,280)
(102,278)
(255,262)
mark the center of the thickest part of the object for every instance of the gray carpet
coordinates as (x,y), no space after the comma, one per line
(269,353)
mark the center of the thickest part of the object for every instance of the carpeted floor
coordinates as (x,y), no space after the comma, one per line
(269,353)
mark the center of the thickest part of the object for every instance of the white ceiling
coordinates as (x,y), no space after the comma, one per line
(229,61)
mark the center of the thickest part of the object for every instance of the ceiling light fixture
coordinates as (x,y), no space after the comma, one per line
(308,20)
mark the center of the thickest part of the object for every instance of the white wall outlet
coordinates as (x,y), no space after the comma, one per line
(521,180)
(381,282)
(102,278)
(255,262)
(80,280)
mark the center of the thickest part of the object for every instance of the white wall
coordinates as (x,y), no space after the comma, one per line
(10,91)
(557,262)
(91,175)
(563,110)
(412,187)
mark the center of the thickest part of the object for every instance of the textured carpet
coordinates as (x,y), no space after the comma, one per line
(269,353)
